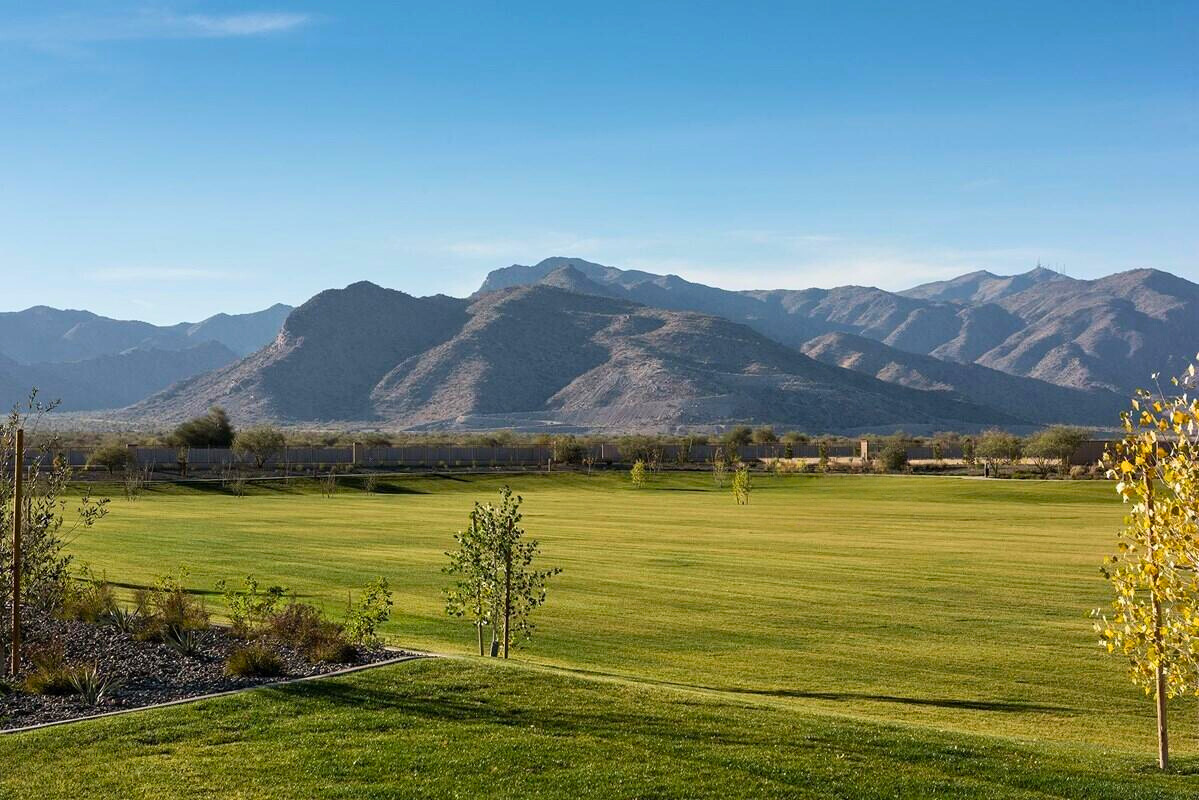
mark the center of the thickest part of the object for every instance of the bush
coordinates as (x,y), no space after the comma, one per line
(114,457)
(333,652)
(249,607)
(364,617)
(894,456)
(253,661)
(50,674)
(167,607)
(738,436)
(211,430)
(303,627)
(764,435)
(90,601)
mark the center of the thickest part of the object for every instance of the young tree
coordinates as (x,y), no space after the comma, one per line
(260,443)
(210,430)
(894,456)
(1054,446)
(473,564)
(112,456)
(1154,621)
(720,467)
(742,485)
(996,447)
(46,529)
(637,473)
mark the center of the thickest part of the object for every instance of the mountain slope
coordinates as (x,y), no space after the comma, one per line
(1041,402)
(44,334)
(109,381)
(542,355)
(1107,334)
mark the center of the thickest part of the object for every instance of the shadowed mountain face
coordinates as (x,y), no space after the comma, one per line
(1105,334)
(109,381)
(542,354)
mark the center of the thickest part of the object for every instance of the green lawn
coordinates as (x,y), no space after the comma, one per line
(955,609)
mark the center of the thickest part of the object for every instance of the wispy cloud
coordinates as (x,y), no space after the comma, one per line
(156,274)
(67,29)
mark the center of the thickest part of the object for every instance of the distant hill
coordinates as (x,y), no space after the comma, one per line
(108,381)
(543,355)
(44,334)
(1039,401)
(1105,334)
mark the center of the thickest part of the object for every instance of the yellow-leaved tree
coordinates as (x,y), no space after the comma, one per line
(1154,618)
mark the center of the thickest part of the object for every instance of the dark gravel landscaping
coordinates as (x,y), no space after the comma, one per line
(145,672)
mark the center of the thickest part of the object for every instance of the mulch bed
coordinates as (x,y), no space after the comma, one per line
(148,672)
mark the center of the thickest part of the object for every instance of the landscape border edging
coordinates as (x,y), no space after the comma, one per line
(226,693)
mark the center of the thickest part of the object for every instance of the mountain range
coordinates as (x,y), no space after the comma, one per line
(568,343)
(94,362)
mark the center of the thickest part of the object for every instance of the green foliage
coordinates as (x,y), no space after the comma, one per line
(567,450)
(894,455)
(764,435)
(113,456)
(822,455)
(742,485)
(212,429)
(91,686)
(1053,447)
(303,627)
(254,661)
(739,436)
(364,617)
(90,599)
(250,606)
(50,674)
(999,447)
(260,443)
(498,584)
(46,564)
(167,608)
(638,474)
(126,620)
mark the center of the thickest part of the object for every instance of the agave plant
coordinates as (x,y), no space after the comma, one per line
(126,620)
(182,641)
(91,686)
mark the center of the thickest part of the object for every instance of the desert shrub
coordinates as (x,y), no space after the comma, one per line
(91,686)
(333,651)
(89,600)
(113,456)
(253,661)
(567,450)
(364,617)
(305,628)
(251,607)
(210,430)
(50,674)
(1078,471)
(894,455)
(764,435)
(167,607)
(739,436)
(370,484)
(260,444)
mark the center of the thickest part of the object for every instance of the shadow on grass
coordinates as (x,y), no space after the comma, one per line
(966,704)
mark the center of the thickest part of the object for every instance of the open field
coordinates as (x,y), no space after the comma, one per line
(953,608)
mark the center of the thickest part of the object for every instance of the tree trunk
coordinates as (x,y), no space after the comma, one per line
(507,598)
(479,630)
(1163,738)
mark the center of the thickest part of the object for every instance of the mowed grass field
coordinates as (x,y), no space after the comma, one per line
(931,632)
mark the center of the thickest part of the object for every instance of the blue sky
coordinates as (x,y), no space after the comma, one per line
(169,160)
